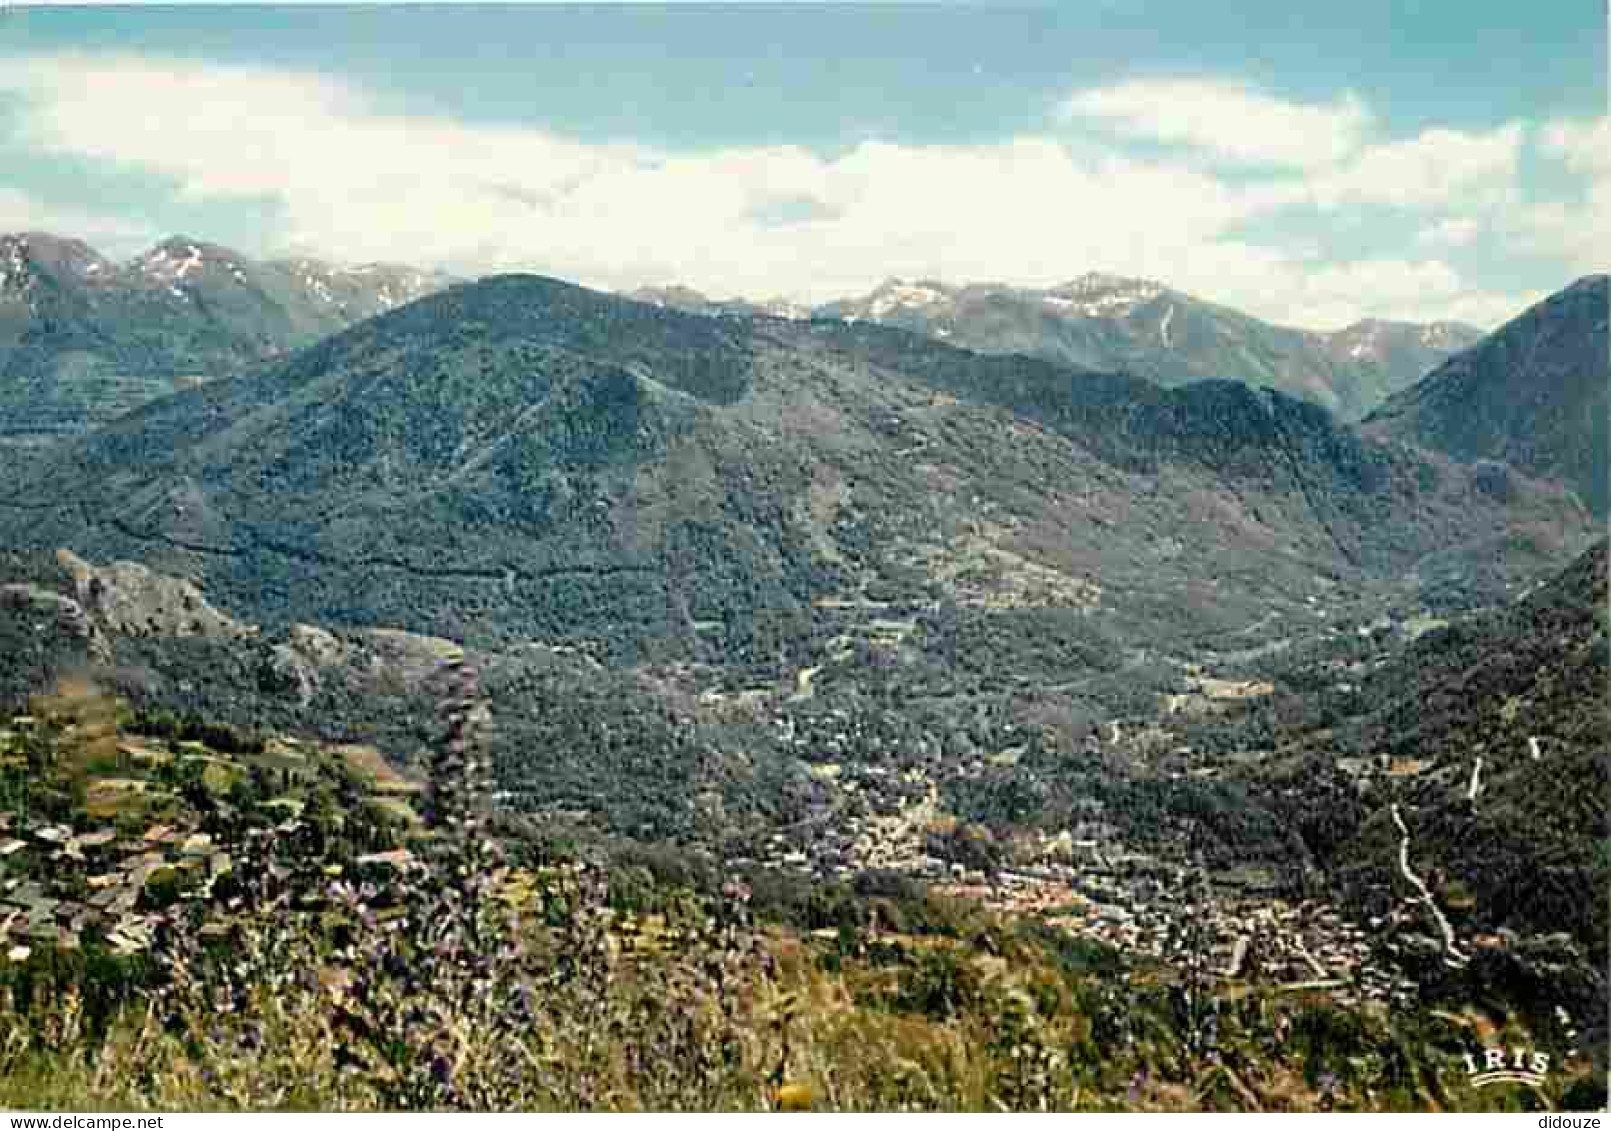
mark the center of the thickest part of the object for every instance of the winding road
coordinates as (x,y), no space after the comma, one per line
(1454,955)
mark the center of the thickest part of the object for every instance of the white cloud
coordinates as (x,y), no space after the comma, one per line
(1449,232)
(365,185)
(20,212)
(1579,234)
(1430,170)
(1583,146)
(1579,230)
(1426,290)
(1231,121)
(352,182)
(1333,143)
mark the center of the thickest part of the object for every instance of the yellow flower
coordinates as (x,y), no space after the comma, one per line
(795,1097)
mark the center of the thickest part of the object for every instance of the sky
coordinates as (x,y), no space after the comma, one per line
(1310,163)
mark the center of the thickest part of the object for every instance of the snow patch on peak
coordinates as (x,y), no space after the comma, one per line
(784,308)
(191,261)
(1365,347)
(894,295)
(1099,295)
(1099,282)
(1376,338)
(1367,338)
(1440,335)
(14,265)
(170,263)
(319,288)
(24,255)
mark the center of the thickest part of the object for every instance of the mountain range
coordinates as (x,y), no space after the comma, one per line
(83,339)
(523,458)
(1110,322)
(1532,395)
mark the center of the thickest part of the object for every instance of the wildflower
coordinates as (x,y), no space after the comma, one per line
(441,1069)
(795,1097)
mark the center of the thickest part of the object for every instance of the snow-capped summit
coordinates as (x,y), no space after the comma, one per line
(23,253)
(185,309)
(13,261)
(180,262)
(1378,339)
(896,294)
(1101,282)
(690,301)
(1110,322)
(1446,335)
(331,295)
(1363,339)
(1099,295)
(785,308)
(172,261)
(364,289)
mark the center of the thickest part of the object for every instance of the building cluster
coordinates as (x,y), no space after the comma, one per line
(1236,926)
